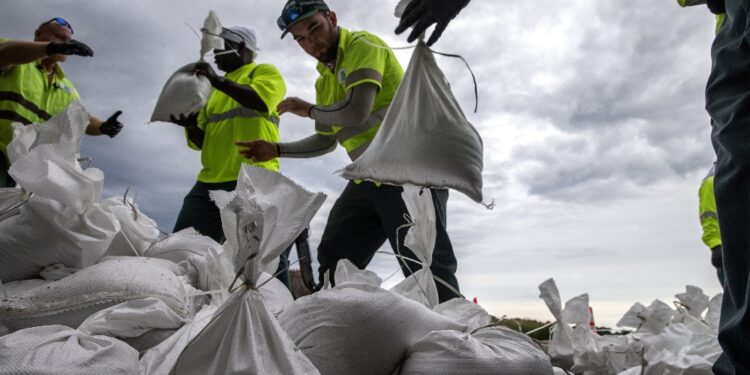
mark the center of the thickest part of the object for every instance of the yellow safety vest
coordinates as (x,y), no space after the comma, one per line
(708,215)
(225,121)
(27,96)
(361,58)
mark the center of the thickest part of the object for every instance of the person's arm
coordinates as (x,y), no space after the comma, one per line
(310,147)
(111,127)
(350,112)
(16,52)
(245,95)
(194,133)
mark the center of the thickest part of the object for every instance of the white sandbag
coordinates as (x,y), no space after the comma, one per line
(161,358)
(694,301)
(137,231)
(425,139)
(132,319)
(261,218)
(267,211)
(465,312)
(44,233)
(71,300)
(486,352)
(211,34)
(714,311)
(652,319)
(56,272)
(347,273)
(561,336)
(209,267)
(243,338)
(11,200)
(15,288)
(44,160)
(183,94)
(420,239)
(359,329)
(58,350)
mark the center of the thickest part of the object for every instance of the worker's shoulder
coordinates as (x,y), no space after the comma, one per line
(265,69)
(365,39)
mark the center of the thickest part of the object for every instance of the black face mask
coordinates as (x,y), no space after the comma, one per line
(229,62)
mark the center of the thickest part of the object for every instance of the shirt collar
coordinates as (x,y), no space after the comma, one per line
(343,38)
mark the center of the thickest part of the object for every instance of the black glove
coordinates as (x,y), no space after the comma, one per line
(716,6)
(71,47)
(111,127)
(191,121)
(205,69)
(421,14)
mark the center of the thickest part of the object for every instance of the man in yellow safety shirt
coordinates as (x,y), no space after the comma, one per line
(33,86)
(359,75)
(242,106)
(710,223)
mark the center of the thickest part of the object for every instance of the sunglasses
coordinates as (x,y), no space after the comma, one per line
(294,11)
(60,21)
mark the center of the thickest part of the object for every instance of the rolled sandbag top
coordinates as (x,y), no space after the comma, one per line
(71,300)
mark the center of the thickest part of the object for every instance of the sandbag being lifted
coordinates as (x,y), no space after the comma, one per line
(425,139)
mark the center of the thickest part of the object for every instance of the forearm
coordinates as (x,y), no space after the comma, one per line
(352,111)
(310,147)
(244,95)
(21,52)
(93,127)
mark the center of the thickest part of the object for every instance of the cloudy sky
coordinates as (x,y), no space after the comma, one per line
(591,112)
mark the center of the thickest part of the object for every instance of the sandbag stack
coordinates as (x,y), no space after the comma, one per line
(669,341)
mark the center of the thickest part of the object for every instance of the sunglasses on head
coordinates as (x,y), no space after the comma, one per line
(60,21)
(294,11)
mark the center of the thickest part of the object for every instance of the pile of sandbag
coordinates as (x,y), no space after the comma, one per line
(668,340)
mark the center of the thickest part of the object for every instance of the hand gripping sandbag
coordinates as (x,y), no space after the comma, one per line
(54,350)
(425,139)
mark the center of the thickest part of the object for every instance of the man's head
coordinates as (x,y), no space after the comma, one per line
(314,27)
(240,48)
(54,30)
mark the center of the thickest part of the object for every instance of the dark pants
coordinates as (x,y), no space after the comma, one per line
(365,215)
(200,212)
(5,179)
(732,190)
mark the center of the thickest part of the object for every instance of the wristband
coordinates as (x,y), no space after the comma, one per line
(309,111)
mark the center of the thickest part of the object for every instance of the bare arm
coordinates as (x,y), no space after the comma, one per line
(16,52)
(244,95)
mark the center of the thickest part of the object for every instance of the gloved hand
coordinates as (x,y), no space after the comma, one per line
(205,69)
(71,47)
(421,14)
(716,6)
(191,121)
(112,126)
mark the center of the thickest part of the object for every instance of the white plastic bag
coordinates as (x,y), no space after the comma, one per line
(425,139)
(183,94)
(211,31)
(137,231)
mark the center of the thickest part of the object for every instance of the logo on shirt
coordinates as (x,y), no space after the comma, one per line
(65,88)
(342,75)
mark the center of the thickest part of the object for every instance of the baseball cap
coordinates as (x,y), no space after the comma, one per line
(239,34)
(297,10)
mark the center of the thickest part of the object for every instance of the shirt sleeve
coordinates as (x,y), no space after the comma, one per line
(269,85)
(365,61)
